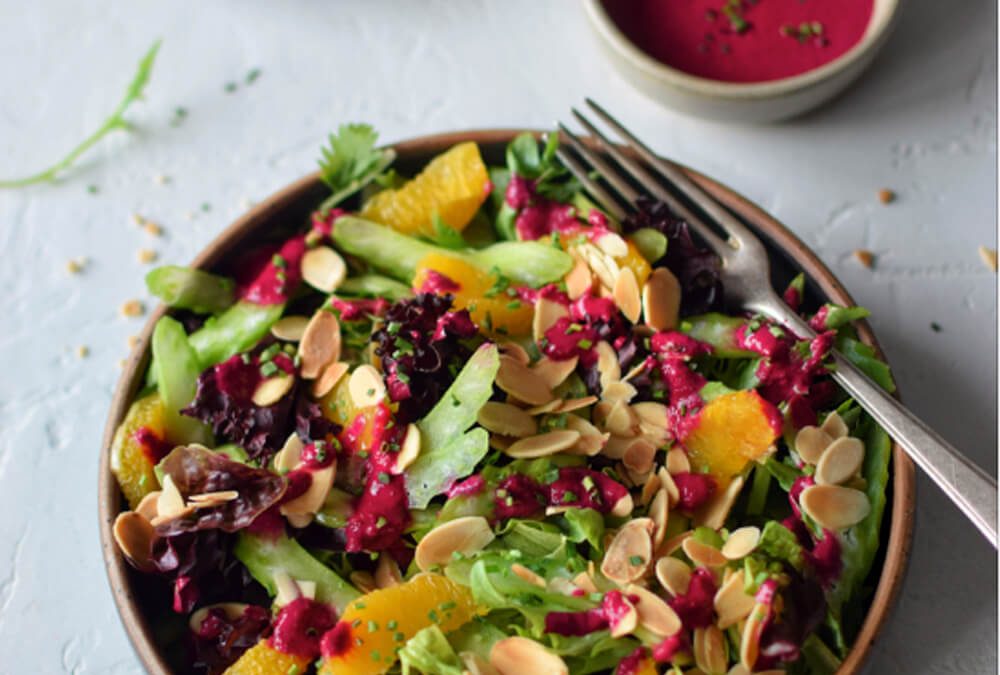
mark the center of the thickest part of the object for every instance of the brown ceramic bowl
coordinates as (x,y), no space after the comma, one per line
(290,207)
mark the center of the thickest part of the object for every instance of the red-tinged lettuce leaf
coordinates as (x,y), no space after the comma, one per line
(220,641)
(196,470)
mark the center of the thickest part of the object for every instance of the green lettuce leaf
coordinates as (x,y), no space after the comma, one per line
(429,652)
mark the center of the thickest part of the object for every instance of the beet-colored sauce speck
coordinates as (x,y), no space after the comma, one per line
(472,485)
(435,282)
(518,496)
(695,608)
(674,351)
(585,488)
(694,488)
(153,446)
(336,641)
(632,663)
(299,626)
(272,275)
(359,308)
(671,646)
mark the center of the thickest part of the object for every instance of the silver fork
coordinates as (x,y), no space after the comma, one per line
(746,281)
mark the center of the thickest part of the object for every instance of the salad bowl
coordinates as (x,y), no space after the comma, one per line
(135,594)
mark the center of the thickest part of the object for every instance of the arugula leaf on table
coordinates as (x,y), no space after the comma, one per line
(115,121)
(351,161)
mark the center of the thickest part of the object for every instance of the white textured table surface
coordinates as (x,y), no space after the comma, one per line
(922,122)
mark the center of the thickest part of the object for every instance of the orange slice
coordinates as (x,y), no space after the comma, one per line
(129,464)
(453,185)
(731,431)
(263,659)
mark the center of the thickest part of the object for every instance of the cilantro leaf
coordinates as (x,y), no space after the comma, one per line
(351,161)
(115,121)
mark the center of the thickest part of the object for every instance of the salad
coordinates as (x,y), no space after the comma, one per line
(465,422)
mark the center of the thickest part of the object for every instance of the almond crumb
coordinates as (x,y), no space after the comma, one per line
(865,257)
(146,255)
(886,196)
(76,265)
(83,351)
(152,228)
(161,179)
(133,308)
(132,341)
(137,219)
(989,257)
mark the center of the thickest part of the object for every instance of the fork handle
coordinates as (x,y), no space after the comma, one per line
(971,489)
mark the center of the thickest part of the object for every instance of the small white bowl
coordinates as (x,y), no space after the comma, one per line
(754,102)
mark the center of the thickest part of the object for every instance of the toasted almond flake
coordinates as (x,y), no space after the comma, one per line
(465,535)
(621,420)
(810,442)
(522,383)
(834,507)
(603,266)
(547,312)
(654,614)
(615,446)
(366,386)
(599,413)
(320,343)
(886,196)
(132,341)
(543,445)
(147,507)
(629,553)
(636,370)
(146,256)
(290,328)
(623,624)
(507,420)
(545,408)
(673,574)
(584,581)
(209,500)
(153,229)
(634,478)
(287,589)
(639,455)
(290,454)
(83,351)
(618,391)
(668,484)
(710,649)
(75,265)
(410,448)
(310,501)
(989,257)
(612,244)
(703,554)
(591,440)
(134,536)
(323,269)
(514,351)
(521,655)
(651,413)
(672,545)
(328,378)
(299,520)
(753,629)
(649,489)
(498,442)
(738,669)
(232,611)
(677,461)
(554,372)
(623,507)
(272,390)
(573,404)
(834,426)
(841,460)
(865,257)
(527,575)
(626,295)
(714,512)
(387,573)
(731,603)
(579,281)
(132,308)
(741,542)
(659,511)
(170,502)
(661,300)
(363,581)
(658,436)
(608,367)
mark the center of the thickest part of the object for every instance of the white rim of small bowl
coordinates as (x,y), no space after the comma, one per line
(883,14)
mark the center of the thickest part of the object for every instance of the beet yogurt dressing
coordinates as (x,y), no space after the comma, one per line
(742,40)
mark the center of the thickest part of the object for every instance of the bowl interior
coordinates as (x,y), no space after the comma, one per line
(139,597)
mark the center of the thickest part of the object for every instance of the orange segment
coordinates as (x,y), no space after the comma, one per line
(263,659)
(453,185)
(493,310)
(731,431)
(384,620)
(129,463)
(633,259)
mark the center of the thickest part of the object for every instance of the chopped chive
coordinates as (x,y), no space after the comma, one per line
(391,624)
(635,559)
(372,626)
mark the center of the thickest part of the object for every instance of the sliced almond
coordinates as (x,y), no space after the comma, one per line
(290,328)
(323,269)
(672,545)
(673,574)
(677,461)
(387,573)
(409,450)
(366,386)
(545,408)
(579,281)
(507,420)
(498,442)
(619,391)
(714,512)
(621,421)
(652,413)
(299,520)
(208,500)
(290,454)
(709,648)
(589,445)
(629,553)
(612,244)
(703,554)
(639,456)
(810,442)
(134,536)
(515,351)
(465,535)
(554,372)
(272,390)
(623,624)
(585,582)
(841,460)
(753,629)
(834,507)
(623,507)
(363,580)
(521,655)
(668,483)
(637,369)
(170,502)
(741,542)
(834,426)
(320,343)
(654,614)
(615,446)
(147,507)
(310,501)
(659,511)
(329,378)
(608,367)
(603,266)
(731,603)
(661,300)
(626,294)
(573,404)
(522,382)
(543,445)
(547,312)
(231,610)
(527,575)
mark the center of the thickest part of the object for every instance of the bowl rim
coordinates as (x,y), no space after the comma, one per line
(901,506)
(884,14)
